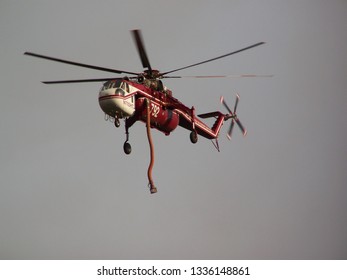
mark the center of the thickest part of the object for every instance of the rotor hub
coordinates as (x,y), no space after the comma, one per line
(151,74)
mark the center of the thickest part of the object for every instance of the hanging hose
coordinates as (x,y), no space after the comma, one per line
(153,189)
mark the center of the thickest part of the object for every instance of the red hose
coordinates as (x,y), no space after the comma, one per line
(153,189)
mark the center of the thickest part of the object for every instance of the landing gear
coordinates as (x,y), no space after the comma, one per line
(127,148)
(193,137)
(116,122)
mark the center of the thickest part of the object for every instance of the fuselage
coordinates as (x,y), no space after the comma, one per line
(123,98)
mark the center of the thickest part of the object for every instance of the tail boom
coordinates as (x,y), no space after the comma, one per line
(213,132)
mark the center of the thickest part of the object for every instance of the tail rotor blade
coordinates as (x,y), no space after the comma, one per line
(236,103)
(225,104)
(230,129)
(244,131)
(233,116)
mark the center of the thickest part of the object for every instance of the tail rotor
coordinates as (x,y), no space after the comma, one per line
(233,116)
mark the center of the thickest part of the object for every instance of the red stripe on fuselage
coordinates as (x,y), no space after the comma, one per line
(112,96)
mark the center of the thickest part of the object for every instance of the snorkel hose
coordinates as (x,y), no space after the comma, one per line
(151,186)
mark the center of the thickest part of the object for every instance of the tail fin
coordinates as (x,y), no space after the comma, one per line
(219,120)
(210,115)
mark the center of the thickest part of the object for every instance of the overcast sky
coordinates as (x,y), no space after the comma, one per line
(68,191)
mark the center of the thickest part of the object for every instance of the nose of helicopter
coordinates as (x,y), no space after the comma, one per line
(115,102)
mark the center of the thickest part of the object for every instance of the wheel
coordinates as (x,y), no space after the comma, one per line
(127,148)
(116,122)
(193,137)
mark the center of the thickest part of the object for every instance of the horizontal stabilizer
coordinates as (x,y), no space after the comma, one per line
(210,115)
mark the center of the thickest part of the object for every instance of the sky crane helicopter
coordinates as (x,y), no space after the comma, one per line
(142,96)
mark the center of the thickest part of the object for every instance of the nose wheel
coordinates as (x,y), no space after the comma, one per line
(127,148)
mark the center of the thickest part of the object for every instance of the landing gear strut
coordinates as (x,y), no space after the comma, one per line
(116,122)
(193,135)
(127,146)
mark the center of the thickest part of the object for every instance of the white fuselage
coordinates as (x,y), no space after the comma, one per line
(117,99)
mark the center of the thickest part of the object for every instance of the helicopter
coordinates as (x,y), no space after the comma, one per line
(143,97)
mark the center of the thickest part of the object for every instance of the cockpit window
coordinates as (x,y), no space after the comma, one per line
(125,86)
(119,91)
(111,84)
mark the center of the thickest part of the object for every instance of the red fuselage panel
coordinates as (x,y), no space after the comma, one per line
(165,120)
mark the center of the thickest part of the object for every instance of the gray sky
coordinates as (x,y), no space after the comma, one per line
(67,190)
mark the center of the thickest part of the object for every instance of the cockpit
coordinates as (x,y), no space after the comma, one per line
(120,86)
(116,100)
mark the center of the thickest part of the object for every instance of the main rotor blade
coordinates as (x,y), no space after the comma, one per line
(80,81)
(219,76)
(80,64)
(141,49)
(218,57)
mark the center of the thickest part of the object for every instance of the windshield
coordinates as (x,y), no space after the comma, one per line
(112,84)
